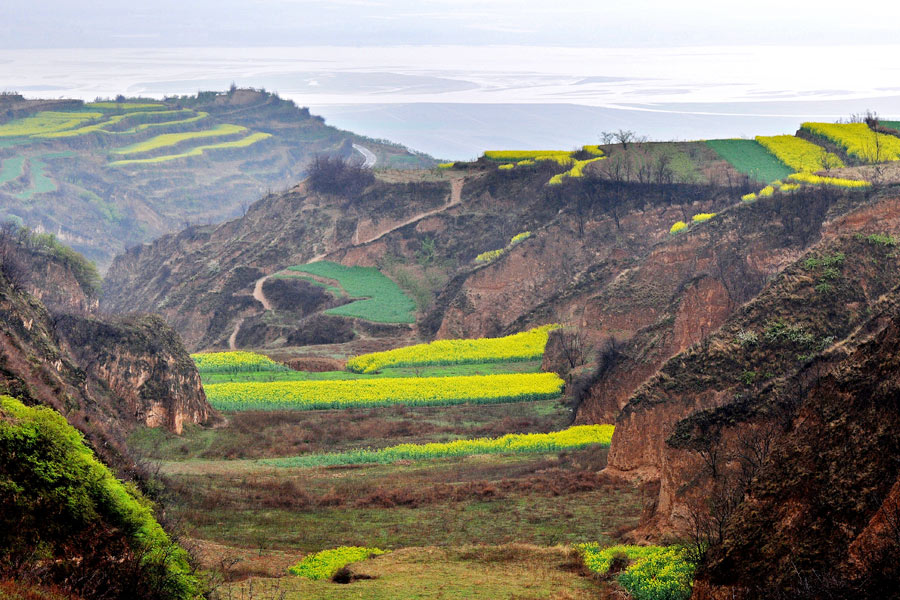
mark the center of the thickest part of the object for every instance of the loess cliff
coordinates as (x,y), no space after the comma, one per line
(104,374)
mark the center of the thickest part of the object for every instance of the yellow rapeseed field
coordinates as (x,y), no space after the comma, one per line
(414,391)
(528,345)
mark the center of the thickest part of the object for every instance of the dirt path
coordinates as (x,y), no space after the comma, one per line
(456,186)
(368,156)
(233,336)
(259,295)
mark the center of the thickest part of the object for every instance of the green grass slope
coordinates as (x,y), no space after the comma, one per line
(63,514)
(384,301)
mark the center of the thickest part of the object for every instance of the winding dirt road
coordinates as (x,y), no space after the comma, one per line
(369,157)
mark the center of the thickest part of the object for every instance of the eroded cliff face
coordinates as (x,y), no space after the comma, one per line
(689,285)
(106,375)
(601,231)
(810,306)
(142,362)
(821,516)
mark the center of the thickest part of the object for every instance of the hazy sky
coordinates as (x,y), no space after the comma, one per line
(453,77)
(594,23)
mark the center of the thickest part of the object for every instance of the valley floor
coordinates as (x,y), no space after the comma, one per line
(481,526)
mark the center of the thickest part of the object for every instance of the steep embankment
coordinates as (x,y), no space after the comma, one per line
(688,286)
(819,516)
(776,458)
(66,521)
(103,375)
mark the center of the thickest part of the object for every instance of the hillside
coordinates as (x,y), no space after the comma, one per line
(105,176)
(424,233)
(819,516)
(75,383)
(104,374)
(68,525)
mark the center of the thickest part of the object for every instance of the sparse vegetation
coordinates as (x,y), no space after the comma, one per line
(492,255)
(334,175)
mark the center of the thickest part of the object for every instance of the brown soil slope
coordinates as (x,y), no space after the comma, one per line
(103,375)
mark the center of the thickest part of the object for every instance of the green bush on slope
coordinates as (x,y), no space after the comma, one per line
(59,506)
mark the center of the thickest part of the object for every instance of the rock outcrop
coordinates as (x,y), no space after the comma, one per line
(105,375)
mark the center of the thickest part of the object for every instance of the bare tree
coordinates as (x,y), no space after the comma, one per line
(622,136)
(574,347)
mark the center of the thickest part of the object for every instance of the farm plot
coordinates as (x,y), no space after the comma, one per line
(410,391)
(382,300)
(799,154)
(41,183)
(190,117)
(46,122)
(528,345)
(198,151)
(124,105)
(167,140)
(751,158)
(334,483)
(575,437)
(235,362)
(11,168)
(858,140)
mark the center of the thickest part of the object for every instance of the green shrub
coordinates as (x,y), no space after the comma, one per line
(324,564)
(875,238)
(746,338)
(663,575)
(656,573)
(54,492)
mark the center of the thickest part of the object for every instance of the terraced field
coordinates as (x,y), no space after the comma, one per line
(168,140)
(858,140)
(438,489)
(751,158)
(799,154)
(46,122)
(381,300)
(197,151)
(182,160)
(12,168)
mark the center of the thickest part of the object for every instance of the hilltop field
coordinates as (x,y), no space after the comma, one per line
(107,175)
